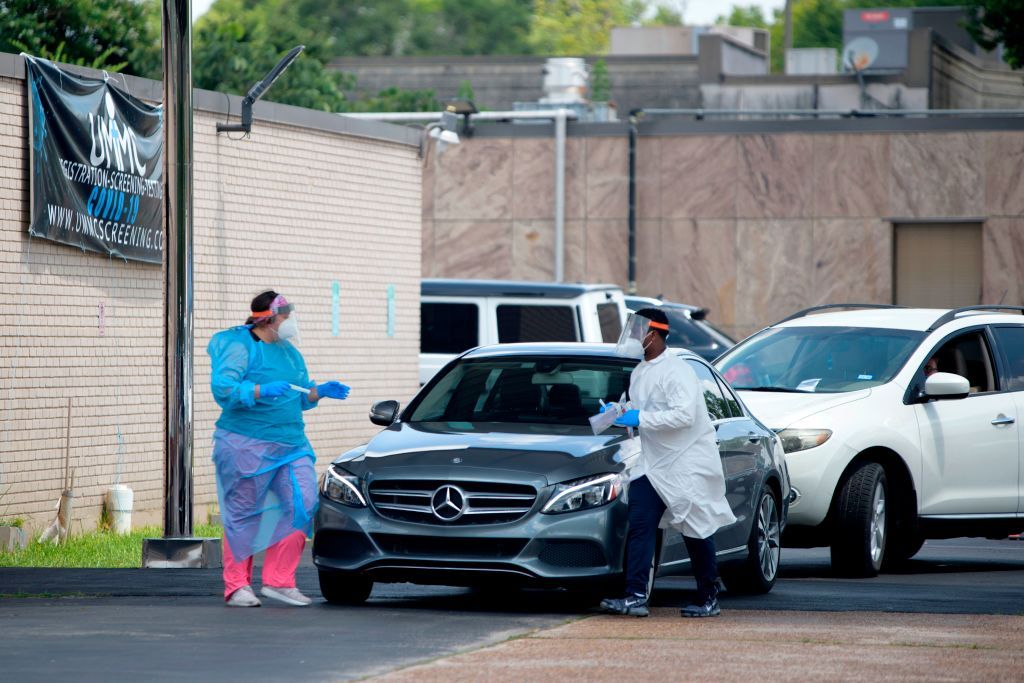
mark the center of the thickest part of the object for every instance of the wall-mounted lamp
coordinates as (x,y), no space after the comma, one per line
(256,92)
(446,130)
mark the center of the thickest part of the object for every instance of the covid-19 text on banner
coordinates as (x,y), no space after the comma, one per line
(96,164)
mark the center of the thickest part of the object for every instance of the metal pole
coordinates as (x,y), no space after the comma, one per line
(560,117)
(631,276)
(177,35)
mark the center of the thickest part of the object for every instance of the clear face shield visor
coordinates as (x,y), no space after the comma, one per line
(631,340)
(289,327)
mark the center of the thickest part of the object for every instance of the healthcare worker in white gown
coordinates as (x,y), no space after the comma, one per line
(679,480)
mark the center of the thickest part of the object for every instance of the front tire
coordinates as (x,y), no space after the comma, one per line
(861,527)
(758,572)
(344,589)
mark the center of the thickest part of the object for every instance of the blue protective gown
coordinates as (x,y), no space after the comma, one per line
(266,481)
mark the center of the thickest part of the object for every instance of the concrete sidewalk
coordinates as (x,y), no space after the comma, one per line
(745,645)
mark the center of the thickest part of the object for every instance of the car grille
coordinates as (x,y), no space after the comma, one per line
(439,546)
(410,500)
(572,554)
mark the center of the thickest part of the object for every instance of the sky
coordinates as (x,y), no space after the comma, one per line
(697,12)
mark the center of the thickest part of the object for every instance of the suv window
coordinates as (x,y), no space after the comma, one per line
(448,328)
(1011,339)
(818,359)
(525,323)
(718,409)
(967,355)
(730,399)
(611,322)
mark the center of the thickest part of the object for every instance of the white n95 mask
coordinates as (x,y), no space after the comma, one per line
(289,329)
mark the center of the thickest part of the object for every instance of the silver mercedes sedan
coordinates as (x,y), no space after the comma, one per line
(493,474)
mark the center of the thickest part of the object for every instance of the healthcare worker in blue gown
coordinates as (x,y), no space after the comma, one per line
(266,482)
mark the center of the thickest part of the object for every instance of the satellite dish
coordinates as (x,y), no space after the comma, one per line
(860,53)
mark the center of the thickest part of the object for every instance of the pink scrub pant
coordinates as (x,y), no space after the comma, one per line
(279,565)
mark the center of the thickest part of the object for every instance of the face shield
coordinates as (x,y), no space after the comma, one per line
(289,326)
(634,332)
(631,341)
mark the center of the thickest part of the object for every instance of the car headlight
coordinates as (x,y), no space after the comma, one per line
(794,440)
(582,494)
(342,487)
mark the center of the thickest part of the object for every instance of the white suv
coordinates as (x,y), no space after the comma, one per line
(898,424)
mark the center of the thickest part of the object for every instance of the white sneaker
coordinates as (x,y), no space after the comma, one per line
(289,596)
(244,597)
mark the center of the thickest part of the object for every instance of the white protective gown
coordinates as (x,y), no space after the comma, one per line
(678,452)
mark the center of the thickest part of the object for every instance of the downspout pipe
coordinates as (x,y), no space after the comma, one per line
(560,120)
(631,278)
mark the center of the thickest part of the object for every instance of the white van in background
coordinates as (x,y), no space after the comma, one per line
(458,315)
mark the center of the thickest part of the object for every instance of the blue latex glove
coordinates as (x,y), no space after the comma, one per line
(274,389)
(630,418)
(333,390)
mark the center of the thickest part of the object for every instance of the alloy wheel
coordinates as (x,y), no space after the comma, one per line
(768,535)
(878,523)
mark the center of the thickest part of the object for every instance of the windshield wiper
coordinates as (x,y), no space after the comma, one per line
(785,390)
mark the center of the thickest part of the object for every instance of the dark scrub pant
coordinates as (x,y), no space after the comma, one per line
(645,511)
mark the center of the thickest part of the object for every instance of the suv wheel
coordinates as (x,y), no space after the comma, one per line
(861,530)
(758,572)
(344,589)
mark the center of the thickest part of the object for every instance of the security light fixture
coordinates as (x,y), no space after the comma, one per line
(256,92)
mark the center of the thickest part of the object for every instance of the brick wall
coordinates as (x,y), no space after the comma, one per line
(294,208)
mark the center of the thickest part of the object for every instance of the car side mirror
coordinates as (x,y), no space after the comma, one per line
(384,413)
(946,385)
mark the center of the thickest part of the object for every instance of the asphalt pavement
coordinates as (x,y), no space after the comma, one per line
(98,624)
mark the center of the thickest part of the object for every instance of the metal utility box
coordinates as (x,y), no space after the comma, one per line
(876,40)
(804,61)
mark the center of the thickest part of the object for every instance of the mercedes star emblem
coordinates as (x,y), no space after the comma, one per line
(448,503)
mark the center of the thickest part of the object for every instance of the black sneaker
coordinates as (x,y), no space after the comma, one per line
(632,606)
(709,608)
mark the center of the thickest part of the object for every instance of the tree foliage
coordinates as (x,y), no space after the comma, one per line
(744,15)
(237,42)
(580,27)
(991,22)
(103,34)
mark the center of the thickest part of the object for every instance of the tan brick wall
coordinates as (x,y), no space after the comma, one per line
(291,208)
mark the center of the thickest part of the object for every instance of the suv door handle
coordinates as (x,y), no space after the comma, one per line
(1003,420)
(753,437)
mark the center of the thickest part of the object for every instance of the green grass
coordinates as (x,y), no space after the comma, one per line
(101,549)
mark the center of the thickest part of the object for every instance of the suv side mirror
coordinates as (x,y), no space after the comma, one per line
(946,385)
(384,413)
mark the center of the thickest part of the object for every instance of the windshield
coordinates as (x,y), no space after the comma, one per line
(818,359)
(542,389)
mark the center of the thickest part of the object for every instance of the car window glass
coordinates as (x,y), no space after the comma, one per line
(1011,339)
(529,323)
(684,331)
(610,320)
(818,359)
(967,355)
(448,328)
(717,407)
(535,390)
(731,403)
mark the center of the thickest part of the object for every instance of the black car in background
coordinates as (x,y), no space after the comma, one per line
(688,327)
(492,474)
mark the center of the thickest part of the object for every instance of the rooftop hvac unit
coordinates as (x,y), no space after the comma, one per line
(876,40)
(565,81)
(807,61)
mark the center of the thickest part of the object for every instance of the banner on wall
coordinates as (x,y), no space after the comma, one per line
(96,159)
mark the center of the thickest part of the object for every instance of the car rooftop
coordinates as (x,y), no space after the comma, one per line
(546,290)
(919,319)
(555,348)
